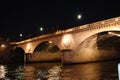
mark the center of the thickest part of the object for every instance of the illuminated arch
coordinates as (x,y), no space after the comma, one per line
(102,40)
(46,51)
(47,46)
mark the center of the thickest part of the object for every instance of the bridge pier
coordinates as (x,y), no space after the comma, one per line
(27,57)
(67,55)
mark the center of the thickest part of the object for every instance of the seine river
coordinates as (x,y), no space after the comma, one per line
(107,70)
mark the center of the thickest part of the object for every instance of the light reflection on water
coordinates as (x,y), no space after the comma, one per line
(88,71)
(3,71)
(43,71)
(56,71)
(11,72)
(91,71)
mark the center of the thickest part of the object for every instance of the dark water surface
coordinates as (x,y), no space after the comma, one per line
(107,70)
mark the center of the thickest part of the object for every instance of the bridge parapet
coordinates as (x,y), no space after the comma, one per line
(99,24)
(105,22)
(96,25)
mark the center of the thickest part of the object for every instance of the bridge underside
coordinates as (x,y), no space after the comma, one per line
(45,51)
(102,46)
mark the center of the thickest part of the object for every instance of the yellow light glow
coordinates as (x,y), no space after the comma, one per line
(50,41)
(116,19)
(28,47)
(102,22)
(2,71)
(112,33)
(67,40)
(2,45)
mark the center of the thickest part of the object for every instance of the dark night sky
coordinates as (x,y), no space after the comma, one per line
(27,16)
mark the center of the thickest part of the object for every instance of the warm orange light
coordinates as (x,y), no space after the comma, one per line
(2,71)
(50,41)
(102,22)
(112,33)
(28,47)
(116,19)
(2,45)
(67,40)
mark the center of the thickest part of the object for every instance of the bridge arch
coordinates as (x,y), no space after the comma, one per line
(19,50)
(46,51)
(18,55)
(95,29)
(98,37)
(101,46)
(46,46)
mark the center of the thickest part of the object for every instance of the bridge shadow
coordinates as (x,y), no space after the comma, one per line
(109,44)
(17,56)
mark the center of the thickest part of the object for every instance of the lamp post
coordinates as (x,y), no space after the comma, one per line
(41,29)
(79,16)
(21,35)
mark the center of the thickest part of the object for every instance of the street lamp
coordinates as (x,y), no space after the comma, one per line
(79,16)
(41,29)
(21,35)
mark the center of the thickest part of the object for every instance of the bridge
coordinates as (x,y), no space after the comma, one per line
(91,42)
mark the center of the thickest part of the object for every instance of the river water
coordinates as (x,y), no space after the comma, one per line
(107,70)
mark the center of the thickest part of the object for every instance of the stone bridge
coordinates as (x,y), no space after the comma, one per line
(91,42)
